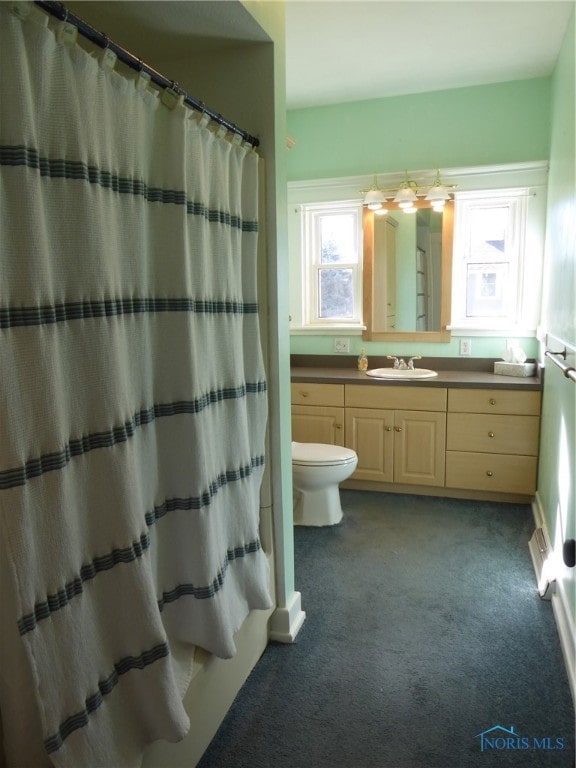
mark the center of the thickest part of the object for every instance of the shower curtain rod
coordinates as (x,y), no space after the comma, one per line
(60,11)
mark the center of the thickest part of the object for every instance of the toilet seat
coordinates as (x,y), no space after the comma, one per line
(320,455)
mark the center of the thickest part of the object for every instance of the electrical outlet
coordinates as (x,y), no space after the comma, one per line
(465,347)
(341,345)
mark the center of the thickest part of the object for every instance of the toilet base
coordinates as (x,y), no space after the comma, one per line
(317,508)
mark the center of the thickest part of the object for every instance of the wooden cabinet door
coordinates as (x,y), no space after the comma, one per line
(318,424)
(419,447)
(370,432)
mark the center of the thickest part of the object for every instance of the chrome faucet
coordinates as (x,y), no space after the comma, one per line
(401,364)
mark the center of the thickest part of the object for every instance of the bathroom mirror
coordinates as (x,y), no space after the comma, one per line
(407,273)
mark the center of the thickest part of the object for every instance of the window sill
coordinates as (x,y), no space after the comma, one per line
(509,332)
(327,330)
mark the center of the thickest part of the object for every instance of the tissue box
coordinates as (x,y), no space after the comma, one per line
(514,369)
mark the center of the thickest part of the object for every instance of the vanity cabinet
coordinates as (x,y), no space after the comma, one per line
(492,440)
(458,441)
(398,433)
(318,413)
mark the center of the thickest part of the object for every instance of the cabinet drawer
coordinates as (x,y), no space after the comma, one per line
(317,394)
(405,398)
(494,401)
(493,433)
(491,472)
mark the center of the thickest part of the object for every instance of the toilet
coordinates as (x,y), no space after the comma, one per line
(317,469)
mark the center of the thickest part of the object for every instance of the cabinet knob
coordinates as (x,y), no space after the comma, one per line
(388,429)
(489,473)
(492,401)
(338,426)
(490,434)
(397,429)
(304,394)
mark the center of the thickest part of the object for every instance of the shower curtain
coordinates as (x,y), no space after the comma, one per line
(132,401)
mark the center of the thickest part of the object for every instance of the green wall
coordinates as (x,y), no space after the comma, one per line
(487,124)
(556,480)
(459,128)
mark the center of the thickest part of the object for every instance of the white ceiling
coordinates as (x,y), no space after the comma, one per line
(351,50)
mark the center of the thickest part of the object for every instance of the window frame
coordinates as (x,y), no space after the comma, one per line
(516,318)
(312,265)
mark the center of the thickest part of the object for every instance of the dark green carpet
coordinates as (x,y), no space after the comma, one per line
(424,629)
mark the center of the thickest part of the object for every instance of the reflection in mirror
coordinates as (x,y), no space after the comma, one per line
(407,274)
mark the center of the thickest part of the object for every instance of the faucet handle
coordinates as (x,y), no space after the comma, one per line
(396,361)
(411,361)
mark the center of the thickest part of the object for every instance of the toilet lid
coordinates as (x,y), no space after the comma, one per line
(320,453)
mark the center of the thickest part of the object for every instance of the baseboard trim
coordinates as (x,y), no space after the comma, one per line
(286,621)
(431,490)
(538,514)
(567,635)
(561,610)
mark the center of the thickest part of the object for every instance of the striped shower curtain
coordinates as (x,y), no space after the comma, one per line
(132,402)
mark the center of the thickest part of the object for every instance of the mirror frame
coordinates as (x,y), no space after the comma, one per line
(372,334)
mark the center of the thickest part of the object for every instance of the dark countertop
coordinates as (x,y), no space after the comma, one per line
(455,374)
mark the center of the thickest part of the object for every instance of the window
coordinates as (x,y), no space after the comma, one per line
(332,264)
(488,259)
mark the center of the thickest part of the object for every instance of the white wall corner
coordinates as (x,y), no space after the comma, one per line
(286,621)
(561,609)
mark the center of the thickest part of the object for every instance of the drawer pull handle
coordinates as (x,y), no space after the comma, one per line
(489,473)
(492,401)
(490,434)
(397,429)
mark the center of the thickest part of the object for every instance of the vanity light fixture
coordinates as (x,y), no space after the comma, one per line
(438,194)
(374,197)
(407,194)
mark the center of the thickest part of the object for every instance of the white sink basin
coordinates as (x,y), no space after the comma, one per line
(401,373)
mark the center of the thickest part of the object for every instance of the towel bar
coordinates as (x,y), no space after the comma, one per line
(568,370)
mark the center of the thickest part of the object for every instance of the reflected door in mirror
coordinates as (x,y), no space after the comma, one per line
(384,309)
